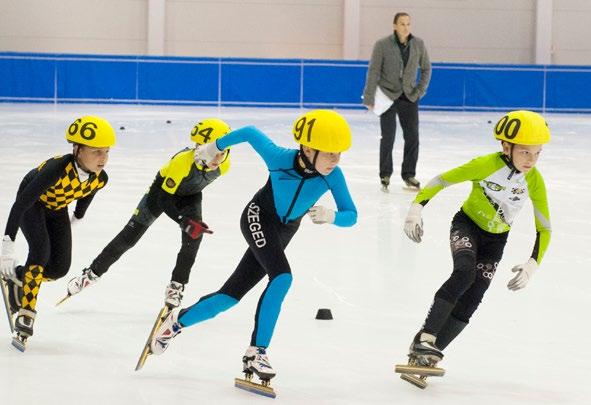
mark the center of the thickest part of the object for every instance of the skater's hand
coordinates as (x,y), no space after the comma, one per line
(321,215)
(194,228)
(205,154)
(524,274)
(7,258)
(413,225)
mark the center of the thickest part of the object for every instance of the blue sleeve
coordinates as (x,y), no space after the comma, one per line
(261,143)
(346,214)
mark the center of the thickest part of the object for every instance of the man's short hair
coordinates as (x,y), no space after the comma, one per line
(398,15)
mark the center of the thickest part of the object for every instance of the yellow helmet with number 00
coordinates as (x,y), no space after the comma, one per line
(208,130)
(91,130)
(323,130)
(522,127)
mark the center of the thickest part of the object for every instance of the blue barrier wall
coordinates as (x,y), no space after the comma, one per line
(59,78)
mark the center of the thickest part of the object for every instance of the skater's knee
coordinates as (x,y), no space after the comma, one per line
(281,283)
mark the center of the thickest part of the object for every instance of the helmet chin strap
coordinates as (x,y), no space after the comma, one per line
(509,158)
(309,167)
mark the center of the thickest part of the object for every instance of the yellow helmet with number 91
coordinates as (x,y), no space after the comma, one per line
(208,130)
(323,130)
(91,130)
(522,127)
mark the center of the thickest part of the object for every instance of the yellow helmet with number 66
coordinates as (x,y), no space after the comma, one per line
(522,127)
(91,130)
(323,130)
(208,130)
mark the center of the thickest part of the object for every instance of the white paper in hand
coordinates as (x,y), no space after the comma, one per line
(381,102)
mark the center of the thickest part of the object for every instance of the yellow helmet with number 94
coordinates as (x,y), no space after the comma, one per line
(323,130)
(91,130)
(208,130)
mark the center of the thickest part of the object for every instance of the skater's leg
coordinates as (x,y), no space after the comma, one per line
(60,240)
(247,275)
(464,246)
(489,255)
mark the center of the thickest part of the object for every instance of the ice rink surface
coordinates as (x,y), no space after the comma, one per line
(526,347)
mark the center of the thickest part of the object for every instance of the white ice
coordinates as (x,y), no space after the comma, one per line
(526,347)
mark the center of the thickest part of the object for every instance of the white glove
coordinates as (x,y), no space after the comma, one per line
(7,259)
(321,215)
(524,273)
(413,225)
(205,154)
(74,220)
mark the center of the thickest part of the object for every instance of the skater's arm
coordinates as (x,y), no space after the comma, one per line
(346,214)
(476,169)
(261,143)
(538,195)
(83,203)
(47,175)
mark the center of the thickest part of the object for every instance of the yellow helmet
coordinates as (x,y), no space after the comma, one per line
(323,130)
(91,130)
(208,130)
(522,127)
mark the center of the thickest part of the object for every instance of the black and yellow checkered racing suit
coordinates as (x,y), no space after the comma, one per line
(40,211)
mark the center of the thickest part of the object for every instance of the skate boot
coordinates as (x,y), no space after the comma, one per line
(255,361)
(423,349)
(173,294)
(422,361)
(385,180)
(412,183)
(23,326)
(169,328)
(78,283)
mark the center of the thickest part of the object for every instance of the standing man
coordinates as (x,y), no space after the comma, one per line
(391,88)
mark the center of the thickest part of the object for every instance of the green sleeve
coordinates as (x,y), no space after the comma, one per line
(474,170)
(539,198)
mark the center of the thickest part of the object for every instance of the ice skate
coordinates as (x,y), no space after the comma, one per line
(78,283)
(255,361)
(385,181)
(422,361)
(411,184)
(173,295)
(162,315)
(23,326)
(168,329)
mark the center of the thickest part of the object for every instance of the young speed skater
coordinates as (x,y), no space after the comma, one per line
(177,192)
(501,182)
(297,179)
(40,211)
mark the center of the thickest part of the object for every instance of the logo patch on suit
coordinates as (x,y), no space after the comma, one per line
(170,183)
(518,190)
(493,186)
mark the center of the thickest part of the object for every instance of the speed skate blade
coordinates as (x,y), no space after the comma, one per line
(419,370)
(19,343)
(416,381)
(62,300)
(146,351)
(4,288)
(255,388)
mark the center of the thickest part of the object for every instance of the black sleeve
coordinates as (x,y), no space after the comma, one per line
(83,203)
(30,191)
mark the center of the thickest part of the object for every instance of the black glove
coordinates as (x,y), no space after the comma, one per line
(194,228)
